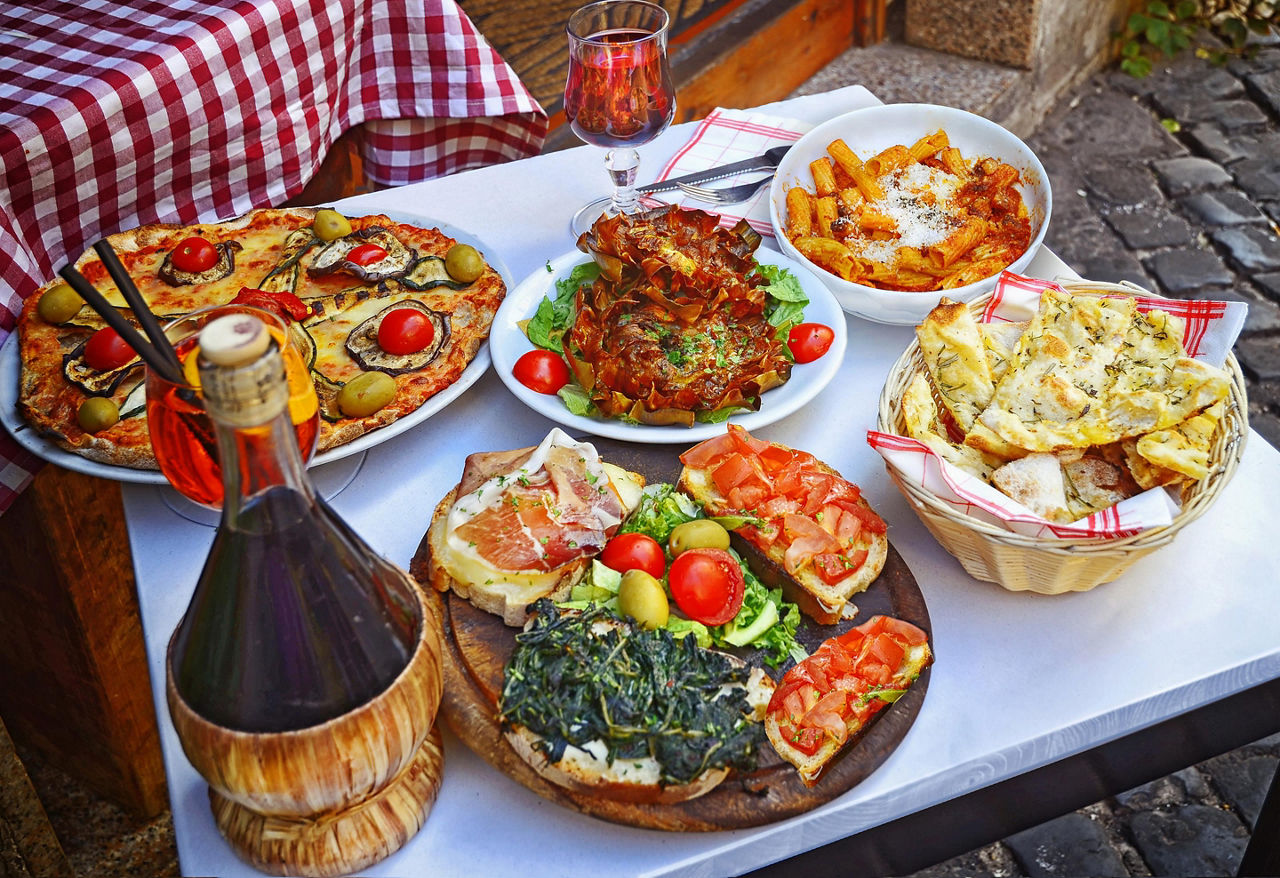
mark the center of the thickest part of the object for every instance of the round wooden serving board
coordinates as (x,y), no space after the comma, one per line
(478,646)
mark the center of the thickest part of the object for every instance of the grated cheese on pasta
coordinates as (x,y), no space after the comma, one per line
(920,222)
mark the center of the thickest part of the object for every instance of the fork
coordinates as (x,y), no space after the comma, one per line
(727,195)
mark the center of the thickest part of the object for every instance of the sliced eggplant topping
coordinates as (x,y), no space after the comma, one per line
(327,393)
(226,264)
(135,403)
(284,277)
(334,257)
(428,272)
(328,307)
(93,381)
(362,343)
(302,340)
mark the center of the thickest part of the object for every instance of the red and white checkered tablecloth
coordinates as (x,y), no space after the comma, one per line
(116,114)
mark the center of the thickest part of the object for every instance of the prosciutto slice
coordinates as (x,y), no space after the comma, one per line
(536,509)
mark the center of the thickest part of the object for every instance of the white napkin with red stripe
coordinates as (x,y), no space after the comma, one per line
(1211,330)
(722,137)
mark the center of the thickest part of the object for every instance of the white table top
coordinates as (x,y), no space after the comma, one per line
(1020,680)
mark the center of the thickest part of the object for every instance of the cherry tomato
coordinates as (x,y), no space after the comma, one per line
(194,255)
(405,331)
(707,585)
(635,551)
(809,341)
(106,350)
(542,371)
(366,254)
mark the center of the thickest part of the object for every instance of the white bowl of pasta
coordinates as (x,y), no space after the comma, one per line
(898,205)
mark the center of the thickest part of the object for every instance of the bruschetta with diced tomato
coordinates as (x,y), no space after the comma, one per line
(827,700)
(804,528)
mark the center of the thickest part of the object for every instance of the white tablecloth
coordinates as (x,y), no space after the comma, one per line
(1020,680)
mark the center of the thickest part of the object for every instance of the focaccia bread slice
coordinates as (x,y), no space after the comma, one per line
(526,524)
(955,355)
(1091,371)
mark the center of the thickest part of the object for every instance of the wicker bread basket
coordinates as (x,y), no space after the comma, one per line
(1047,565)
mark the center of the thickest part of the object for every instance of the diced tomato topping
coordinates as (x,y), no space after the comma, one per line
(806,740)
(826,694)
(787,481)
(807,540)
(702,454)
(746,442)
(831,567)
(814,512)
(732,471)
(870,520)
(886,650)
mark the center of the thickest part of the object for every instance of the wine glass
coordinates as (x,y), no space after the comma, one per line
(182,435)
(618,92)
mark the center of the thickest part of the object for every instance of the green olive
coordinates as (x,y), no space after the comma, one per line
(464,263)
(701,533)
(329,225)
(643,598)
(59,304)
(366,394)
(97,413)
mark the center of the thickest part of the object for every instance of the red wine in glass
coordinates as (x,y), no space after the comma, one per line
(618,92)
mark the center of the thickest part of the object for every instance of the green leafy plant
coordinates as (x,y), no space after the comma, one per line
(1169,28)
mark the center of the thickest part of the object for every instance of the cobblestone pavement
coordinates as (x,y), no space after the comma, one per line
(1191,212)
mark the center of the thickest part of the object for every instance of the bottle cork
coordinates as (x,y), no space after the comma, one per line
(242,373)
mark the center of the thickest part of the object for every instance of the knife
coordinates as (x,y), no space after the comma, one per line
(769,160)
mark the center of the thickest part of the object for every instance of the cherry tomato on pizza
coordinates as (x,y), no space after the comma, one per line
(405,331)
(707,585)
(194,255)
(366,254)
(809,341)
(635,551)
(541,371)
(106,350)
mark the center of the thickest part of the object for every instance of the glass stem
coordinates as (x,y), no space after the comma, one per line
(622,165)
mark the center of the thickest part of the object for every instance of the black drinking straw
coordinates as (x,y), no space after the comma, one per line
(150,325)
(131,336)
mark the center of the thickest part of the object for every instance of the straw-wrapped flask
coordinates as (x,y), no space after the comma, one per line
(304,678)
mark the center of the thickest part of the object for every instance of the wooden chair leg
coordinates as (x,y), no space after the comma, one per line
(75,687)
(869,21)
(1262,856)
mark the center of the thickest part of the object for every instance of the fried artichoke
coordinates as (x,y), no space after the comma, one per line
(675,325)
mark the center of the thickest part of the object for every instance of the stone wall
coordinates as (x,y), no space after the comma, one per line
(1059,42)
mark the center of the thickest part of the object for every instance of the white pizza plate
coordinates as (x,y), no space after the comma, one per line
(508,342)
(26,436)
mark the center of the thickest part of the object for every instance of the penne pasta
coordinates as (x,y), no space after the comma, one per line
(799,213)
(911,217)
(824,178)
(889,160)
(824,214)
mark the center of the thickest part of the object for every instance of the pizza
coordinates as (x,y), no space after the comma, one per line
(353,291)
